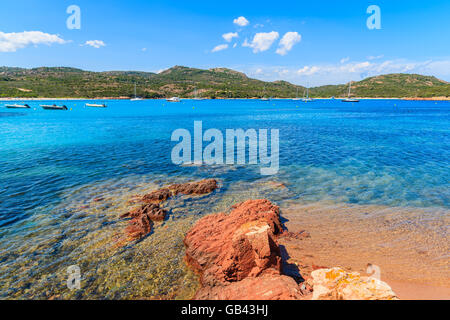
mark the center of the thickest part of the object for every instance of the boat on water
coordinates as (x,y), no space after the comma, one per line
(264,98)
(18,106)
(136,98)
(348,99)
(307,98)
(173,99)
(53,107)
(296,97)
(196,97)
(96,105)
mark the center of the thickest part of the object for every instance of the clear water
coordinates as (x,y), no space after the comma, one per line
(53,163)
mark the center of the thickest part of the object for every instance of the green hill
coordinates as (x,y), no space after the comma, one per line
(390,85)
(182,81)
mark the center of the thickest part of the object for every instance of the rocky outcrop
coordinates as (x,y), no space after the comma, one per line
(267,287)
(191,188)
(149,211)
(157,196)
(194,188)
(337,284)
(237,255)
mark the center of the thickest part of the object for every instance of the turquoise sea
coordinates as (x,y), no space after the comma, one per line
(53,164)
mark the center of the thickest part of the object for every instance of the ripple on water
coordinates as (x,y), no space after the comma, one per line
(83,232)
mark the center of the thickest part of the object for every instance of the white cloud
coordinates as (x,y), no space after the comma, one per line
(95,43)
(308,71)
(235,45)
(220,47)
(11,42)
(287,42)
(344,60)
(338,73)
(375,57)
(241,21)
(229,36)
(144,49)
(262,41)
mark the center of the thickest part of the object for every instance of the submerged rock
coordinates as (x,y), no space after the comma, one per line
(194,188)
(237,255)
(150,211)
(337,284)
(153,211)
(157,196)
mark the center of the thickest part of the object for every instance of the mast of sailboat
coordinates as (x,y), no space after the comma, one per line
(296,96)
(135,96)
(349,88)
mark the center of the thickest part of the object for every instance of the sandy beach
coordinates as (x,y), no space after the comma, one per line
(410,248)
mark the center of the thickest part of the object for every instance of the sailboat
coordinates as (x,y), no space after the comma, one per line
(307,99)
(136,98)
(196,95)
(348,99)
(264,98)
(296,97)
(173,99)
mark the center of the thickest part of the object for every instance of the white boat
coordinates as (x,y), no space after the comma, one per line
(53,107)
(348,99)
(264,98)
(196,97)
(307,99)
(18,106)
(136,98)
(96,105)
(296,97)
(173,99)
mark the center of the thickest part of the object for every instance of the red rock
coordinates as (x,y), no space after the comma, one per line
(157,196)
(237,255)
(194,188)
(268,287)
(139,227)
(153,211)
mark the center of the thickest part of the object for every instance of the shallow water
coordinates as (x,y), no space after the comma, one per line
(54,163)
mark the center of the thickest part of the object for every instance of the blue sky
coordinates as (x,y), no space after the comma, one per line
(305,42)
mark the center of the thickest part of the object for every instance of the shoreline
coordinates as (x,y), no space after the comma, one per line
(143,99)
(412,262)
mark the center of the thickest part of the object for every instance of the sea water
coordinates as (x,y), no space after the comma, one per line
(53,164)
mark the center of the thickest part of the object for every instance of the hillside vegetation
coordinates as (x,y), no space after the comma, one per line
(184,82)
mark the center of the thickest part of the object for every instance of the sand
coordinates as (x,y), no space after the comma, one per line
(409,245)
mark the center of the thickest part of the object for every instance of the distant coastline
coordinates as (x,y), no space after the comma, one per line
(220,98)
(216,83)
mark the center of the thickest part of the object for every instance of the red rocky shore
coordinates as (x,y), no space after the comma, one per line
(237,257)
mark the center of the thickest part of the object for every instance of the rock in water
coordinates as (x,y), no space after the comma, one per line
(143,217)
(194,188)
(157,196)
(337,284)
(153,211)
(237,255)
